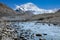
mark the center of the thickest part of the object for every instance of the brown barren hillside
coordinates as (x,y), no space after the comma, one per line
(6,11)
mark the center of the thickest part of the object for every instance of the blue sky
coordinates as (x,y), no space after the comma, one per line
(46,4)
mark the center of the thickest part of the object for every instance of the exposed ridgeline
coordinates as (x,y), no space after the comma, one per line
(6,11)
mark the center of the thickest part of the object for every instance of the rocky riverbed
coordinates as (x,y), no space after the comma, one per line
(29,31)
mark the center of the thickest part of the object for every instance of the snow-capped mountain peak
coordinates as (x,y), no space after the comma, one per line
(33,8)
(27,6)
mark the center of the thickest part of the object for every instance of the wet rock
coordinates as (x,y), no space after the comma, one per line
(44,34)
(42,39)
(48,24)
(21,37)
(43,24)
(24,39)
(54,23)
(38,34)
(26,32)
(26,35)
(32,36)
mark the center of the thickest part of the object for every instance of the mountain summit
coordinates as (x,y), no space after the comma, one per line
(33,8)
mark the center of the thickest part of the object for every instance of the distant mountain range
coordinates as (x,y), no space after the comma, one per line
(33,8)
(27,11)
(7,13)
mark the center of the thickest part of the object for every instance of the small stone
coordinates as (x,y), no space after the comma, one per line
(21,37)
(38,34)
(44,34)
(54,24)
(24,39)
(15,39)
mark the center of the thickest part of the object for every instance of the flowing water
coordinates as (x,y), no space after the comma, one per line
(52,32)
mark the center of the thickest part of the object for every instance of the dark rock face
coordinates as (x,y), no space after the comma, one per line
(19,10)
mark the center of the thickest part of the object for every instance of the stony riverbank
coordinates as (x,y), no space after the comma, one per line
(9,32)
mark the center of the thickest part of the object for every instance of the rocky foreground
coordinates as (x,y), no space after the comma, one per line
(14,32)
(7,33)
